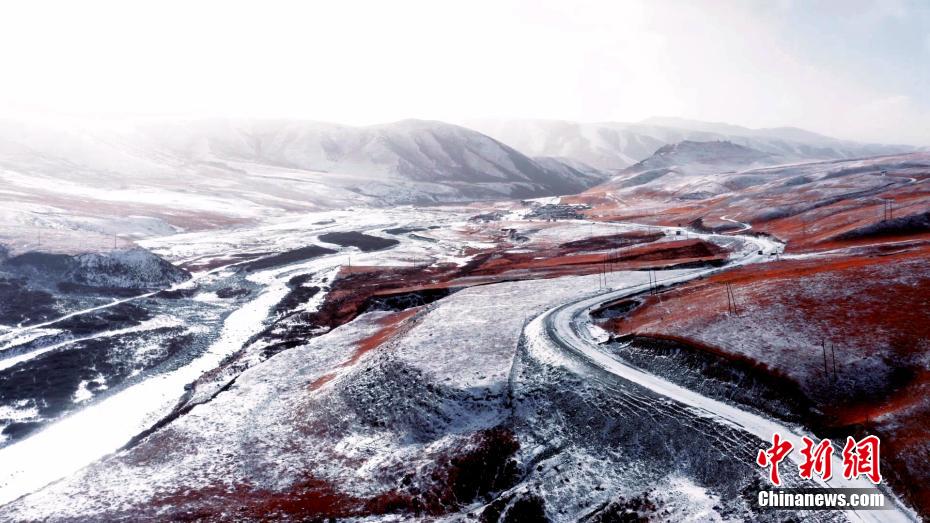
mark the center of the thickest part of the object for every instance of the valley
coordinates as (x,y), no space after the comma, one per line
(496,345)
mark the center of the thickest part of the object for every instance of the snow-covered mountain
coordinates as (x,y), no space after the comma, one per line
(613,145)
(425,152)
(691,153)
(157,176)
(428,152)
(692,169)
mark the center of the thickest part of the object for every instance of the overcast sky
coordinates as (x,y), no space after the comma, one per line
(851,69)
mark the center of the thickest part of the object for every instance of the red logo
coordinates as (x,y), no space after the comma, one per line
(816,459)
(860,458)
(773,456)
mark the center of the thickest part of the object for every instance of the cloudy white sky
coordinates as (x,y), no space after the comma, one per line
(849,68)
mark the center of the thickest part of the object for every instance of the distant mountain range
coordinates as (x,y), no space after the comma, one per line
(149,178)
(411,161)
(435,161)
(139,179)
(612,146)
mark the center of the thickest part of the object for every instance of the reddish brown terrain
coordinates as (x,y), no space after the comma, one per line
(846,324)
(356,287)
(813,206)
(851,332)
(360,396)
(857,304)
(473,467)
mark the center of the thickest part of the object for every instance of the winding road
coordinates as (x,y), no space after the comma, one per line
(569,328)
(745,226)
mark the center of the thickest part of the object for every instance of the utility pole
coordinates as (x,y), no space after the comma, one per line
(887,209)
(606,264)
(731,299)
(823,345)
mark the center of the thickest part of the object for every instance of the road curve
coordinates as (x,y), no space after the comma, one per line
(745,226)
(569,328)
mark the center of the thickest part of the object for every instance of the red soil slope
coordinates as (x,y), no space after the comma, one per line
(391,326)
(840,197)
(873,313)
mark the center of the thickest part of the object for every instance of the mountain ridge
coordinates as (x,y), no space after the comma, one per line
(158,177)
(613,146)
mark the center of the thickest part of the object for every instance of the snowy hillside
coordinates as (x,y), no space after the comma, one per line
(691,154)
(156,177)
(129,269)
(415,150)
(614,145)
(463,163)
(693,170)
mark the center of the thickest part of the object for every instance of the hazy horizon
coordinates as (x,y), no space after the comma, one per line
(849,70)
